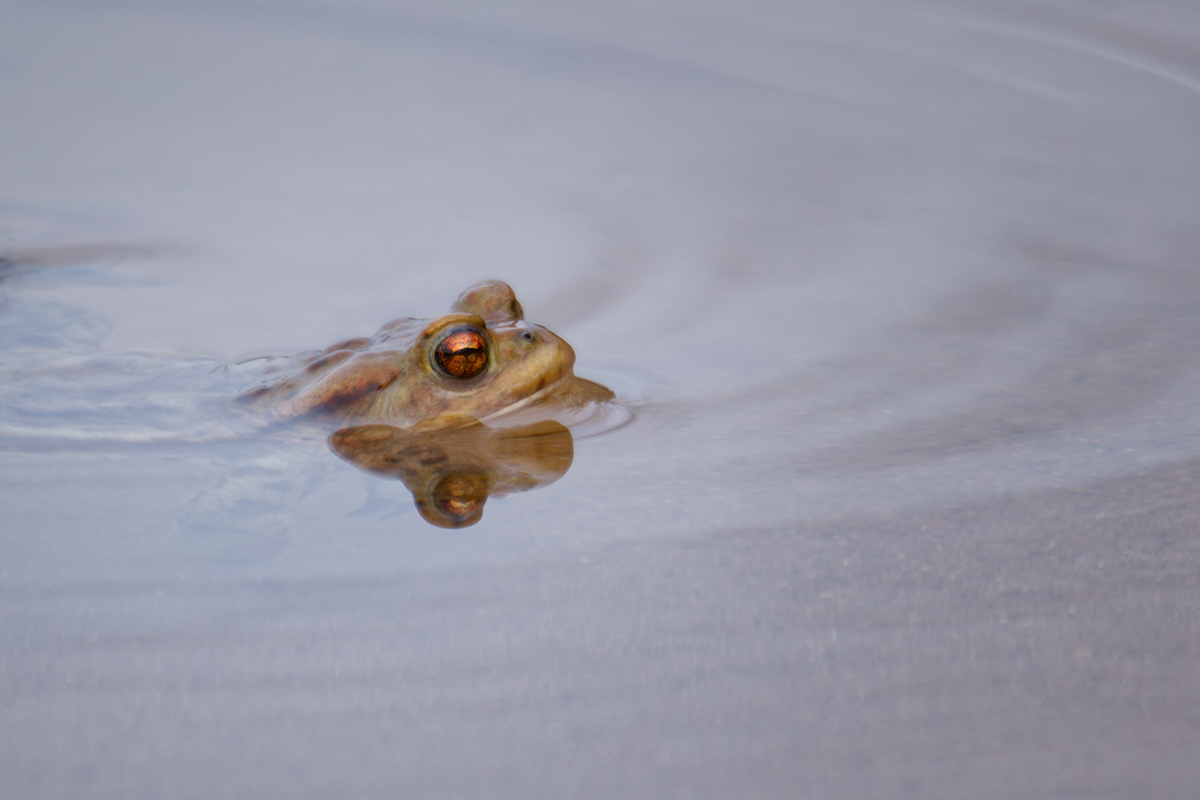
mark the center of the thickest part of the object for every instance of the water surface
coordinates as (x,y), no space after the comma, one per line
(904,296)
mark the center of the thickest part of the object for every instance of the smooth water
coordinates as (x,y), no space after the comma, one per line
(904,301)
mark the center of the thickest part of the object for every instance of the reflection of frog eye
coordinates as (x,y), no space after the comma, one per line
(460,496)
(462,354)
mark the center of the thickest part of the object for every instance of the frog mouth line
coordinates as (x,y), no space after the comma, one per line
(517,406)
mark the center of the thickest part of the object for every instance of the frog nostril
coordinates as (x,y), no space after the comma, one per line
(527,336)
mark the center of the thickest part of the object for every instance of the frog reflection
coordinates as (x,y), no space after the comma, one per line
(452,471)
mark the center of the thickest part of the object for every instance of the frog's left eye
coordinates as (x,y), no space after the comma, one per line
(463,353)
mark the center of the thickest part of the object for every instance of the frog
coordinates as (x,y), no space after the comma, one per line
(481,362)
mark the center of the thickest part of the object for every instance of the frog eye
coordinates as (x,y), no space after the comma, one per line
(463,353)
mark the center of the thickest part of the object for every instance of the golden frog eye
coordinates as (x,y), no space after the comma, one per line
(462,354)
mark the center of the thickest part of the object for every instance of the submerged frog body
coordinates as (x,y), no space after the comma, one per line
(480,362)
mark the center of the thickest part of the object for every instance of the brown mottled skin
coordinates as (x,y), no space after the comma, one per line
(393,379)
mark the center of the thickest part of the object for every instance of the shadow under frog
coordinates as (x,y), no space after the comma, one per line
(460,408)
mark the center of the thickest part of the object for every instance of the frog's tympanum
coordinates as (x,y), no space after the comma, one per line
(437,403)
